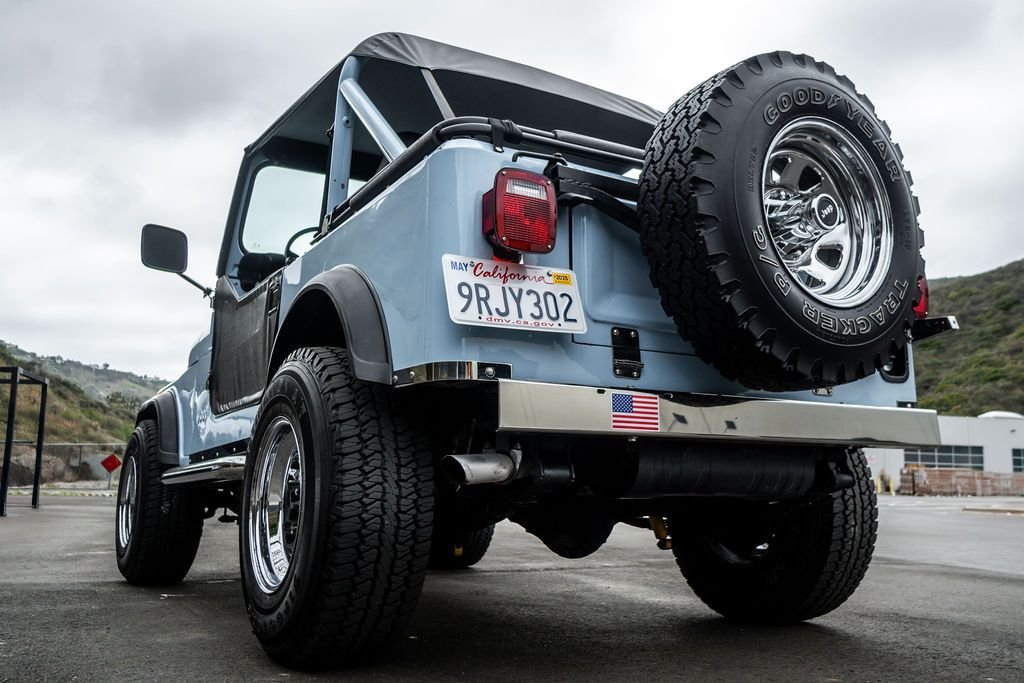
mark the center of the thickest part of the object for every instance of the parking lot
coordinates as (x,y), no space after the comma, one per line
(944,599)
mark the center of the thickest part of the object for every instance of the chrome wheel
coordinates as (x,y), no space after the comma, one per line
(827,212)
(127,500)
(275,504)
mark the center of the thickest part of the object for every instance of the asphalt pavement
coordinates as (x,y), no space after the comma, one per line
(943,600)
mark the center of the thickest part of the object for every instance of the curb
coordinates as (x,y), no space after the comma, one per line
(64,493)
(998,511)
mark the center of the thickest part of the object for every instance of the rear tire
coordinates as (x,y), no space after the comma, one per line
(157,527)
(458,549)
(336,514)
(779,562)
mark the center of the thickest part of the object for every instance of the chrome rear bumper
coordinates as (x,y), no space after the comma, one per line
(565,409)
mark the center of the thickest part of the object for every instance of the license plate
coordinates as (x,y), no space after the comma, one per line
(497,294)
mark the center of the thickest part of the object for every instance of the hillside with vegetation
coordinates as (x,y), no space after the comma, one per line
(981,367)
(99,382)
(104,414)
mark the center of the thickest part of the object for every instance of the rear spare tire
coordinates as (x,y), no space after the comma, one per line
(780,227)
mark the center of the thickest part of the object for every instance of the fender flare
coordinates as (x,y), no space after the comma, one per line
(359,312)
(164,409)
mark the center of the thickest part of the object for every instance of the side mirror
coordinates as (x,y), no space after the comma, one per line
(164,249)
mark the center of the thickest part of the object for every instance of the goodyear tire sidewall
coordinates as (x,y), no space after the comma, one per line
(784,98)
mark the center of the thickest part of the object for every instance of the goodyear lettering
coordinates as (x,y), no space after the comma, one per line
(800,97)
(866,126)
(785,102)
(894,169)
(851,112)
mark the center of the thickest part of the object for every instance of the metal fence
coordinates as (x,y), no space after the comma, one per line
(72,464)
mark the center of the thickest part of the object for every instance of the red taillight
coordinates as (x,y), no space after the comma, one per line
(921,307)
(520,213)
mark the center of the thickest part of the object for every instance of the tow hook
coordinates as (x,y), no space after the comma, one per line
(660,532)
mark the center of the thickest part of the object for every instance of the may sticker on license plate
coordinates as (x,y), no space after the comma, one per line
(498,294)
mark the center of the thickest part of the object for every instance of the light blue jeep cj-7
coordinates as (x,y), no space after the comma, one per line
(454,290)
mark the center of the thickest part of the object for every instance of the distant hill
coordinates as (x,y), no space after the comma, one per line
(981,367)
(98,382)
(105,413)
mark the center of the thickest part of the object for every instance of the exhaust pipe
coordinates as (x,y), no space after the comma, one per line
(469,469)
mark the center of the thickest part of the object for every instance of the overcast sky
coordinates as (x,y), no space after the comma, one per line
(114,114)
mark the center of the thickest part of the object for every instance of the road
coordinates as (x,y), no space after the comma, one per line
(944,599)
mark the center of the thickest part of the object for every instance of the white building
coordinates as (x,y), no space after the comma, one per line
(993,442)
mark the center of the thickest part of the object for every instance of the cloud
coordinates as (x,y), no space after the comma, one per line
(115,113)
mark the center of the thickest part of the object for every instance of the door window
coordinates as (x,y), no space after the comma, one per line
(284,202)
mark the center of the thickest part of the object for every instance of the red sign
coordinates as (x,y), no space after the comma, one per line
(110,463)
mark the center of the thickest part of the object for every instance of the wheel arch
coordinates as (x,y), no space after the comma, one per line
(338,307)
(163,409)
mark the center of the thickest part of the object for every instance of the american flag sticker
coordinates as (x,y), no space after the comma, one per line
(635,412)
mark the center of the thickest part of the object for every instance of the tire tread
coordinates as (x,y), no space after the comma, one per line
(170,522)
(380,519)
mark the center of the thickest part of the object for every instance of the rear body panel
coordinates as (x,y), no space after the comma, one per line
(398,241)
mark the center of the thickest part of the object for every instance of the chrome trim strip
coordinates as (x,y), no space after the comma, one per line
(224,468)
(453,370)
(539,407)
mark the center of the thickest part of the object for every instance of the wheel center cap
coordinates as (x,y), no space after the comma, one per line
(826,211)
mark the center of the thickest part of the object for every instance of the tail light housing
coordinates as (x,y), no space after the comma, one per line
(520,213)
(921,307)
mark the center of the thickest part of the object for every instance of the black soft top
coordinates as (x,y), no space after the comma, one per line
(474,84)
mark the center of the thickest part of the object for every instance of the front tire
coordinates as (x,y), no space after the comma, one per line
(336,514)
(157,527)
(780,562)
